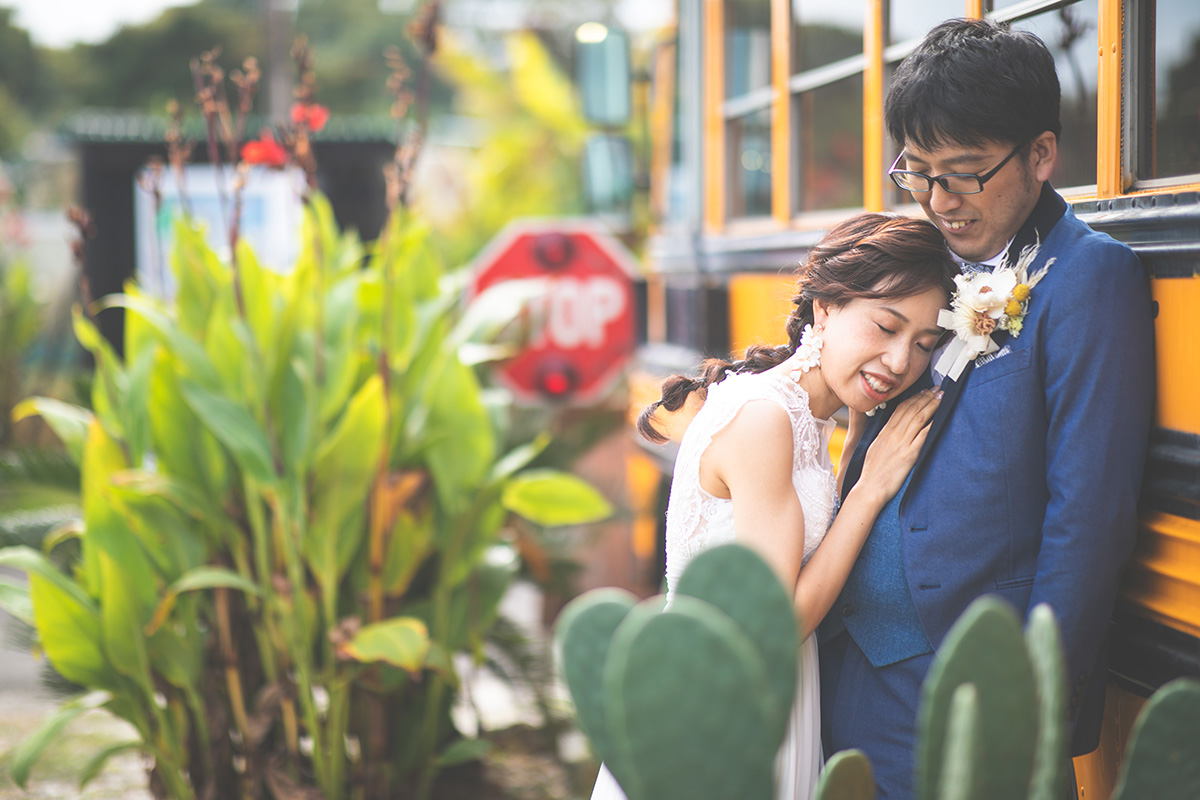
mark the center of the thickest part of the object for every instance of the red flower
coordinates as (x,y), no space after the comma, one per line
(311,115)
(266,151)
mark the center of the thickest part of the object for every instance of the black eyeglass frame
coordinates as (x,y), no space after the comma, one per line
(943,180)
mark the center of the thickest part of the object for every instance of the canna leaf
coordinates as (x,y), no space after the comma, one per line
(50,731)
(69,422)
(343,471)
(188,351)
(464,750)
(232,424)
(97,762)
(549,497)
(14,599)
(402,642)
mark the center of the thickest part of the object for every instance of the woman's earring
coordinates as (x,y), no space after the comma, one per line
(808,354)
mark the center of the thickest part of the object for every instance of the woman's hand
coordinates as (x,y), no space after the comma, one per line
(894,452)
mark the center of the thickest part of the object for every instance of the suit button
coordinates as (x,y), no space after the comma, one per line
(847,610)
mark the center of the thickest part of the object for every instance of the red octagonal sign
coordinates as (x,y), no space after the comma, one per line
(587,333)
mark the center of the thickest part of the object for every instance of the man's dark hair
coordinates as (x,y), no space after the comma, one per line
(971,81)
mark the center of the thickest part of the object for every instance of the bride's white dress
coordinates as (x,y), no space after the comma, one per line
(696,521)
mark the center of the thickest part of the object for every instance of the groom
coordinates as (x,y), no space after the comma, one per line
(1027,485)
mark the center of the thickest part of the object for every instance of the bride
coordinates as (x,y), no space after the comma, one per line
(753,465)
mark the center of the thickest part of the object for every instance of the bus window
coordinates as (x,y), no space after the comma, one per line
(1070,33)
(748,117)
(824,32)
(827,132)
(912,19)
(750,165)
(1177,90)
(826,108)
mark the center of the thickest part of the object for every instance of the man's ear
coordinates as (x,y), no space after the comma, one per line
(1043,153)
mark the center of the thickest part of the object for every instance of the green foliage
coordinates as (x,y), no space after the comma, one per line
(691,700)
(680,703)
(304,502)
(20,321)
(531,133)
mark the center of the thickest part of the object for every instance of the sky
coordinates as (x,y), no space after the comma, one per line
(61,23)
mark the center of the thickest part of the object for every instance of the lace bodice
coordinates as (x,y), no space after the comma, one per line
(696,520)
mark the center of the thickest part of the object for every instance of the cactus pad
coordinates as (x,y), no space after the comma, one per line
(1163,759)
(737,581)
(984,647)
(688,706)
(847,776)
(1043,642)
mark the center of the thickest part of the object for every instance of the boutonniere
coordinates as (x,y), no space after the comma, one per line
(983,304)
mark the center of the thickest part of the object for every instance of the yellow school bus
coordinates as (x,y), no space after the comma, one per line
(767,127)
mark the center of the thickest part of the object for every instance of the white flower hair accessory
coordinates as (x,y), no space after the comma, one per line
(984,303)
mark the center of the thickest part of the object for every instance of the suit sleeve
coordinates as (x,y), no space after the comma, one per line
(1099,378)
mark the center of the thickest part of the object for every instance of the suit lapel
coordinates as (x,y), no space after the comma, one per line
(1045,215)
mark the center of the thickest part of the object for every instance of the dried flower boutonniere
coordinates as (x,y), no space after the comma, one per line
(984,303)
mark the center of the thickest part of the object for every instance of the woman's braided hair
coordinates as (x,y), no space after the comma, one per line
(869,256)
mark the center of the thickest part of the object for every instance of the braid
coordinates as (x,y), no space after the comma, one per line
(678,388)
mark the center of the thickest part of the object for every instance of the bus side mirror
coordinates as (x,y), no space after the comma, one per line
(602,74)
(608,175)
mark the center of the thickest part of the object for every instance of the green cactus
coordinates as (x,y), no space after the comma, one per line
(961,776)
(1163,757)
(585,629)
(847,776)
(1044,645)
(691,700)
(984,647)
(737,581)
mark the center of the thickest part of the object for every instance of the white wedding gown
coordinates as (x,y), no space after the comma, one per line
(696,521)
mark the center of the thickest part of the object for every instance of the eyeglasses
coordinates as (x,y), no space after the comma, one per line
(953,182)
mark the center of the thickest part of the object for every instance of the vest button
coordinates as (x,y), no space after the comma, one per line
(847,610)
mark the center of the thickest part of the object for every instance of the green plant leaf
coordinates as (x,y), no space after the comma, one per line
(70,423)
(212,578)
(96,763)
(402,642)
(234,426)
(188,351)
(464,750)
(520,457)
(14,598)
(122,620)
(343,470)
(549,498)
(50,731)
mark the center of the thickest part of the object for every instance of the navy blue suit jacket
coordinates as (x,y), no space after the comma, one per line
(1028,483)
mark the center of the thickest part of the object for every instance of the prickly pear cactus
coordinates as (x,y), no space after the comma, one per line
(689,705)
(1043,642)
(732,578)
(691,700)
(961,776)
(984,648)
(847,776)
(584,631)
(1163,757)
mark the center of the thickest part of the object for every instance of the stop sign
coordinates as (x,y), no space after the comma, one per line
(586,313)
